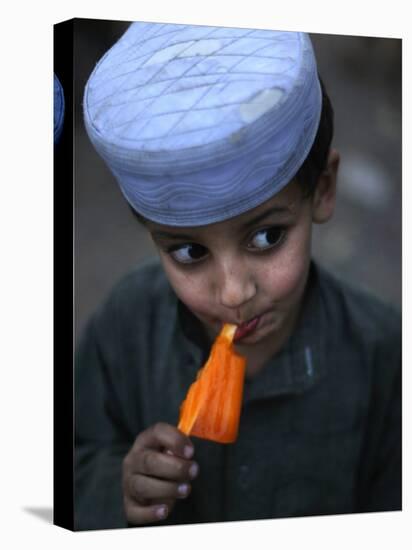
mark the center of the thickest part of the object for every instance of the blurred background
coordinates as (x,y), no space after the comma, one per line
(362,243)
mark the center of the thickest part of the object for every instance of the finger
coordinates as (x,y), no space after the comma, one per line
(164,436)
(143,488)
(137,514)
(161,465)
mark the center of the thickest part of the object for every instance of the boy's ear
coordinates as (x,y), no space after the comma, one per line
(325,193)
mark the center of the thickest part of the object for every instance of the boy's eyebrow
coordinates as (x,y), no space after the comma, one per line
(167,235)
(159,234)
(265,214)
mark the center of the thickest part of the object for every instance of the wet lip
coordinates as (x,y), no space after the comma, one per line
(246,328)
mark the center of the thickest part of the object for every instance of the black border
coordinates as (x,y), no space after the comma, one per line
(63,226)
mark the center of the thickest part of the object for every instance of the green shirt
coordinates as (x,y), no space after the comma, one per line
(320,427)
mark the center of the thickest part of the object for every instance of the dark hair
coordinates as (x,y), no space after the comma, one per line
(316,161)
(141,219)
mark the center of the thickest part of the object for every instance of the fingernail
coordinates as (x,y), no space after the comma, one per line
(193,470)
(188,451)
(183,489)
(161,512)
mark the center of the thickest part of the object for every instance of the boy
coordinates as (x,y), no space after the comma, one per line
(220,140)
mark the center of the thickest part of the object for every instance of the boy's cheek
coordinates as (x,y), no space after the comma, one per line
(195,296)
(198,301)
(284,283)
(287,278)
(190,290)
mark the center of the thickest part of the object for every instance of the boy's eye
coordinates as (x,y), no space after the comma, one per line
(267,238)
(188,253)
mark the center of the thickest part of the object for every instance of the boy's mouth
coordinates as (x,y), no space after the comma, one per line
(246,328)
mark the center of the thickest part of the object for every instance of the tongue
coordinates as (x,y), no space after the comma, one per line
(246,328)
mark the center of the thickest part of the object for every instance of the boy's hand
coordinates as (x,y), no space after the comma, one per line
(156,471)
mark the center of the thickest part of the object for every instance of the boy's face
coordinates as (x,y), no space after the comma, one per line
(251,268)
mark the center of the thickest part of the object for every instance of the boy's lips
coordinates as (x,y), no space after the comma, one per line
(246,328)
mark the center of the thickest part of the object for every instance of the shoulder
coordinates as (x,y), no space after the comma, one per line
(138,298)
(358,312)
(363,342)
(143,283)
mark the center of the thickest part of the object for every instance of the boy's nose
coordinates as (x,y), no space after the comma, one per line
(235,287)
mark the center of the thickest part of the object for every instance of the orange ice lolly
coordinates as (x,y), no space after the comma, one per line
(213,403)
